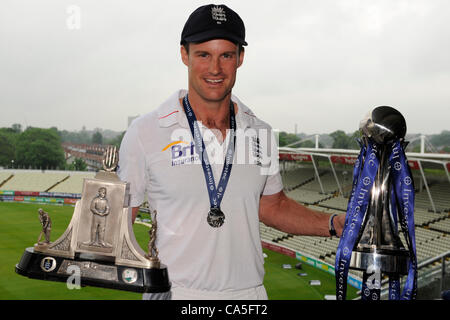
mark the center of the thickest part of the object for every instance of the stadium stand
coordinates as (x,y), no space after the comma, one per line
(296,177)
(74,184)
(4,177)
(440,195)
(338,203)
(328,182)
(301,184)
(443,225)
(423,217)
(33,180)
(307,196)
(428,243)
(37,180)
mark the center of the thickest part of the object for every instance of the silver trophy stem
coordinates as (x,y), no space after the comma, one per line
(379,246)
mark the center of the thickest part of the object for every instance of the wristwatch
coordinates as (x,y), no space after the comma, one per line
(331,228)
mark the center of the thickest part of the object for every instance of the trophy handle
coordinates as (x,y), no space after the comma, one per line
(110,159)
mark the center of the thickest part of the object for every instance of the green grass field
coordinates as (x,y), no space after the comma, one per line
(19,228)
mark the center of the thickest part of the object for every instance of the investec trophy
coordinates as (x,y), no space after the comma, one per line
(99,244)
(382,197)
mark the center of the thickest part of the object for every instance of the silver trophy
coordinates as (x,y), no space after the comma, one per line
(378,247)
(99,241)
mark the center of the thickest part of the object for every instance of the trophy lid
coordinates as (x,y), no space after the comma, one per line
(384,124)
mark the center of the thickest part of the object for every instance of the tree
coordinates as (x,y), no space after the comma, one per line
(353,143)
(83,136)
(285,138)
(308,144)
(97,138)
(343,141)
(77,165)
(6,150)
(17,127)
(8,139)
(340,140)
(39,148)
(442,139)
(117,140)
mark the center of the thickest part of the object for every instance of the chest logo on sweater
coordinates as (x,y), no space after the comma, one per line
(182,152)
(256,150)
(253,147)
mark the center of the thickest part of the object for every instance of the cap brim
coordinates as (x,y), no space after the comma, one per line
(214,34)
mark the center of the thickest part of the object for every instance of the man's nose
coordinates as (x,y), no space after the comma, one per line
(214,66)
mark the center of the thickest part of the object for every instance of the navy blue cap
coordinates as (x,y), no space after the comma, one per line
(213,22)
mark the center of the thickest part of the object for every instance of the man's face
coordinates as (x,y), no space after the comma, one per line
(212,67)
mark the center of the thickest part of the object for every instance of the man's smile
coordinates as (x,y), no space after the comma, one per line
(214,81)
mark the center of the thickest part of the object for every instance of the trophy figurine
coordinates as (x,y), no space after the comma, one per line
(99,241)
(152,254)
(382,199)
(100,210)
(46,223)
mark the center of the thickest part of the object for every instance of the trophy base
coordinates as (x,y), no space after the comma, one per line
(387,261)
(37,265)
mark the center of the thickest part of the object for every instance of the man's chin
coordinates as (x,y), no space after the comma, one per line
(215,96)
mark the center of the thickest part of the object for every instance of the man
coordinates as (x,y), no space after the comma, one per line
(209,211)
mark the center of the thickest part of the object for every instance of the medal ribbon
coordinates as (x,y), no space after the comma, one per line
(403,189)
(363,182)
(402,202)
(215,193)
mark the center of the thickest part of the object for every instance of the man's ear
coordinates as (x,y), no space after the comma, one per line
(184,55)
(241,58)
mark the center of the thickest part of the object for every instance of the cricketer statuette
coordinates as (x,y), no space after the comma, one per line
(99,241)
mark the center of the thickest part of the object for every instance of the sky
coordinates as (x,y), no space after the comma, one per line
(314,65)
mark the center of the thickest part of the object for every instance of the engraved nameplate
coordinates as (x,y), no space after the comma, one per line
(89,269)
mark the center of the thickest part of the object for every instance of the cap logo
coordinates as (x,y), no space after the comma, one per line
(218,14)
